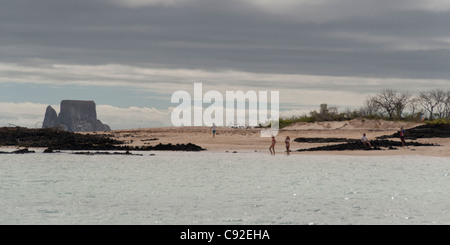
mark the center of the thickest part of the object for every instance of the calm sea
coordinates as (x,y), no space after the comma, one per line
(187,188)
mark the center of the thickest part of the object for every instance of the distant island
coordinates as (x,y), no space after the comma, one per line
(75,116)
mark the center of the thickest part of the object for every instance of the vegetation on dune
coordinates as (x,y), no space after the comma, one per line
(431,107)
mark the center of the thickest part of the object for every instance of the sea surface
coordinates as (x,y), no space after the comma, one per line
(189,188)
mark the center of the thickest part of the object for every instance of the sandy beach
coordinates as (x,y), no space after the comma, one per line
(248,139)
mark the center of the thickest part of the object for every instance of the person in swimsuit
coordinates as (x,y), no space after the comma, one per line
(272,147)
(286,141)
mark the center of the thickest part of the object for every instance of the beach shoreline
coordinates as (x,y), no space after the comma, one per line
(305,139)
(240,140)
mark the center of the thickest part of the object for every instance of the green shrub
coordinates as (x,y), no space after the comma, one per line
(438,121)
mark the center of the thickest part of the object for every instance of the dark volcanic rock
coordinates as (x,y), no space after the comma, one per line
(106,153)
(75,116)
(342,147)
(49,150)
(21,151)
(56,140)
(358,145)
(170,147)
(423,131)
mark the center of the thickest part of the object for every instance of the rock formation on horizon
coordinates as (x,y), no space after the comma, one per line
(75,116)
(51,118)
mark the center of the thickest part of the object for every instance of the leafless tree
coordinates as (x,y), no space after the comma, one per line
(447,105)
(370,108)
(414,105)
(434,101)
(392,102)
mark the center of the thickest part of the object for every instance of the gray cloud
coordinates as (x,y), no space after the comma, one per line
(312,51)
(404,39)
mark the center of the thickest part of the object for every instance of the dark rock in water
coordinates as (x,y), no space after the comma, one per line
(21,151)
(106,153)
(55,139)
(48,150)
(75,116)
(62,140)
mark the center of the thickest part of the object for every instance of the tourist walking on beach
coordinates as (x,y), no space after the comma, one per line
(365,141)
(272,147)
(213,128)
(287,142)
(402,136)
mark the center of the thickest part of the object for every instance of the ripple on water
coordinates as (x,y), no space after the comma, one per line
(216,188)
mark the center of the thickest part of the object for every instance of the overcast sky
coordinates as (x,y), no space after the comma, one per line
(130,56)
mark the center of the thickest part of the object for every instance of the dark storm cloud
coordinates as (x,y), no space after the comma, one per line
(347,38)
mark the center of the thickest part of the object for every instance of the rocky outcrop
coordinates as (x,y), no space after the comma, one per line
(57,140)
(355,144)
(169,147)
(75,116)
(22,151)
(423,131)
(51,118)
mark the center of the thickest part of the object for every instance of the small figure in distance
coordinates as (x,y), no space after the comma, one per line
(365,140)
(422,118)
(402,136)
(213,128)
(272,147)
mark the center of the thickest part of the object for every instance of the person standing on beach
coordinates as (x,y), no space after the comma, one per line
(287,142)
(365,141)
(213,128)
(272,147)
(402,136)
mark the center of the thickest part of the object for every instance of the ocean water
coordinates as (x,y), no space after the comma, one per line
(188,188)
